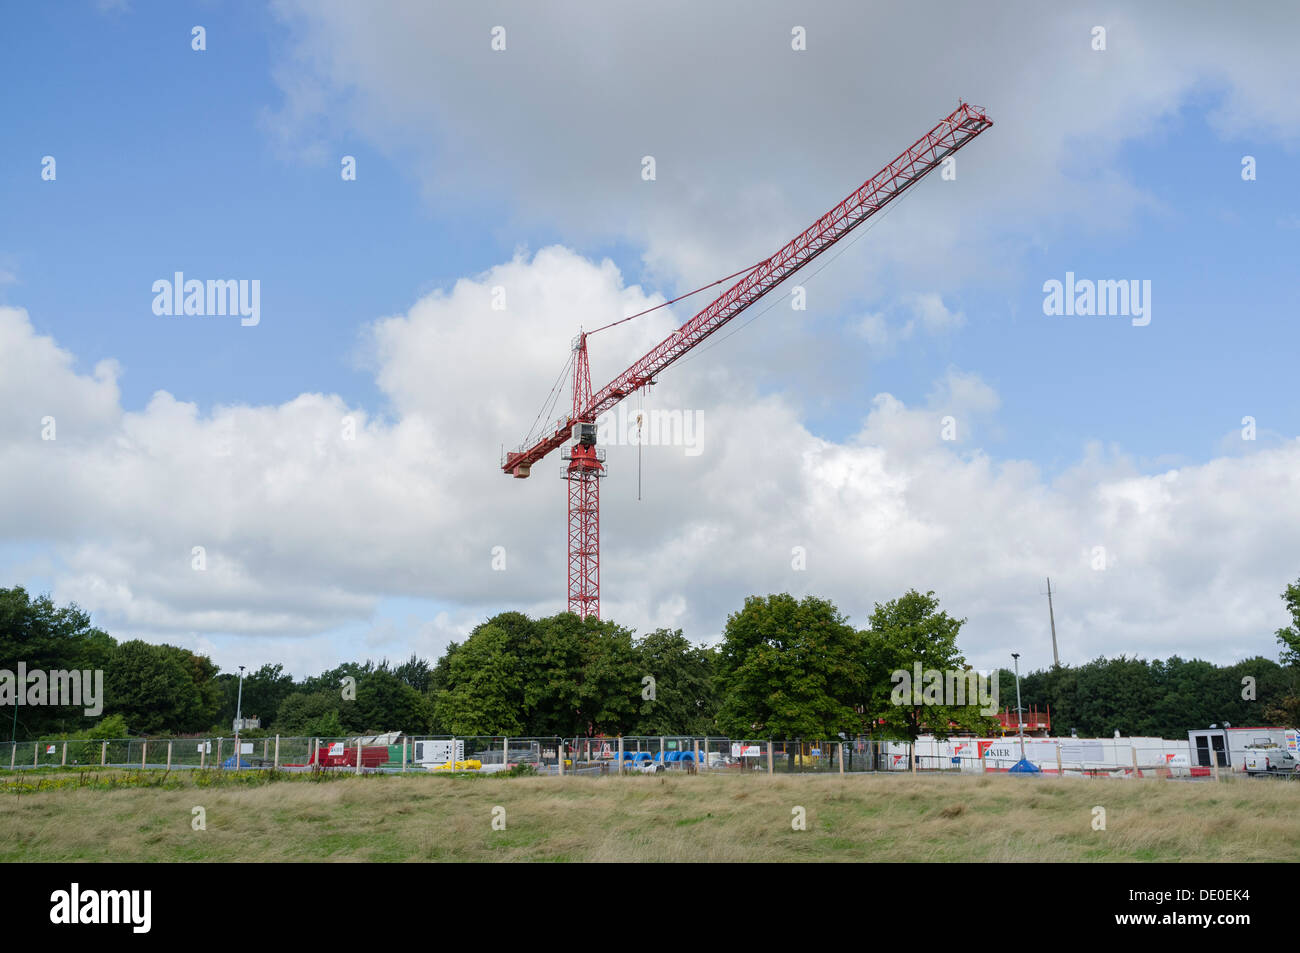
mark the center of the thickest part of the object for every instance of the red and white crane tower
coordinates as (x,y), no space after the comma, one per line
(586,461)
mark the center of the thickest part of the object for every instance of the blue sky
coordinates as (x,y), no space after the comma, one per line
(170,159)
(162,162)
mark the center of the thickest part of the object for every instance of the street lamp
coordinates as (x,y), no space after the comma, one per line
(1020,712)
(239,703)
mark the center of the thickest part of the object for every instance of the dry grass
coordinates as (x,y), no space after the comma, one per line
(663,819)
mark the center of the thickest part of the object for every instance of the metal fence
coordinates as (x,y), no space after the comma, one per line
(609,755)
(546,755)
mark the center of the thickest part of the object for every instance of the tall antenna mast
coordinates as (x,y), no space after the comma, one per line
(1056,658)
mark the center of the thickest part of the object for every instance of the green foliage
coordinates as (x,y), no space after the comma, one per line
(1156,698)
(264,691)
(685,692)
(1289,636)
(905,633)
(47,637)
(789,669)
(385,703)
(484,687)
(785,668)
(110,728)
(160,689)
(310,713)
(553,676)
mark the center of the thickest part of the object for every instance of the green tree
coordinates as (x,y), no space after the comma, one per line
(685,694)
(486,693)
(385,703)
(153,687)
(415,672)
(264,691)
(789,668)
(1289,636)
(580,677)
(905,633)
(308,713)
(49,638)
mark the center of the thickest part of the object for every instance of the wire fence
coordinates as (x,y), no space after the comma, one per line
(396,753)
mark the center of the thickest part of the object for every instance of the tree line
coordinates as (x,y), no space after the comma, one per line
(784,668)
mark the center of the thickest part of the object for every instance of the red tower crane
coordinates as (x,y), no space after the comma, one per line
(586,461)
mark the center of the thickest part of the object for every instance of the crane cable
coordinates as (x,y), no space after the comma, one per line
(640,422)
(743,271)
(839,251)
(553,396)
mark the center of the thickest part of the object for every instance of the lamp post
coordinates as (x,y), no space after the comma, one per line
(239,704)
(1020,712)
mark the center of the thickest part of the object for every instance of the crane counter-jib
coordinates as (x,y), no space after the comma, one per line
(909,167)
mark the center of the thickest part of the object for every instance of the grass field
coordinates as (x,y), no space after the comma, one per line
(647,818)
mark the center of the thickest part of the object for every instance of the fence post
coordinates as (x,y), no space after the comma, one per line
(404,740)
(560,751)
(769,757)
(63,762)
(840,752)
(696,766)
(914,756)
(505,753)
(266,743)
(203,753)
(1134,750)
(275,766)
(1060,772)
(706,753)
(359,754)
(620,754)
(221,744)
(144,754)
(13,754)
(169,755)
(103,754)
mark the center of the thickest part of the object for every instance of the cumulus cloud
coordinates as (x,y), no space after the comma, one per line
(925,311)
(753,140)
(314,515)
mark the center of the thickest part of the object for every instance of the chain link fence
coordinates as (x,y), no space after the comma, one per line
(397,753)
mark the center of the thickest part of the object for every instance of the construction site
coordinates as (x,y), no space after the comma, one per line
(930,469)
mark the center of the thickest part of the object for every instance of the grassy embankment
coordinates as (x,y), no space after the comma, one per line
(145,816)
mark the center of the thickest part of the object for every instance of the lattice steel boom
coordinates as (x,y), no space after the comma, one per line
(586,462)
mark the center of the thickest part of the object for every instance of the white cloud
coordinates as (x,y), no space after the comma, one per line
(926,311)
(753,140)
(934,315)
(306,532)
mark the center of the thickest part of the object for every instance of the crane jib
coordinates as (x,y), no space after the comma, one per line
(913,164)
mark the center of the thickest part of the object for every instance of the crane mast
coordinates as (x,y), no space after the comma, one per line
(586,462)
